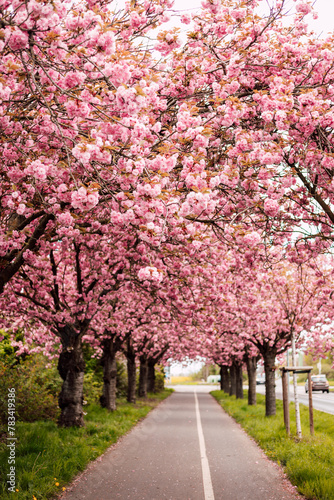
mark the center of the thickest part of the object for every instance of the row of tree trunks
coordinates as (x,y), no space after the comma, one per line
(224,379)
(71,367)
(147,375)
(231,380)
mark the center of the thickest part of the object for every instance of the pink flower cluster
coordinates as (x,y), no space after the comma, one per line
(83,199)
(252,239)
(303,8)
(106,41)
(152,190)
(77,109)
(17,39)
(271,207)
(4,92)
(74,79)
(118,73)
(151,274)
(65,218)
(163,163)
(37,169)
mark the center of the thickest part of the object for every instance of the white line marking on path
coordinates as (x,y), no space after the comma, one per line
(207,483)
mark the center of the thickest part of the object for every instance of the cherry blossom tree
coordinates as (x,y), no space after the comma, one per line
(79,108)
(68,289)
(151,204)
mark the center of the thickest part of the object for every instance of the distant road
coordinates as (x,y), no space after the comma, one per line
(321,401)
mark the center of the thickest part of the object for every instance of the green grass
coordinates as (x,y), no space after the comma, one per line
(47,457)
(309,463)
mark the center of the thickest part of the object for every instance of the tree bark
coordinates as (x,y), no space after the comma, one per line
(269,356)
(224,379)
(71,367)
(108,361)
(131,366)
(151,375)
(221,373)
(239,380)
(233,381)
(143,374)
(251,363)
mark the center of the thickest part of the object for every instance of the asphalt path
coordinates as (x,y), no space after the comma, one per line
(187,448)
(321,401)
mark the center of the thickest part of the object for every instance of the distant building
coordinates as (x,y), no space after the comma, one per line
(213,379)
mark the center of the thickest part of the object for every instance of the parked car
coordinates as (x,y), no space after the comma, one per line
(318,383)
(261,379)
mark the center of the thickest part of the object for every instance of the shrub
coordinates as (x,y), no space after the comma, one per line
(159,385)
(122,380)
(37,384)
(93,384)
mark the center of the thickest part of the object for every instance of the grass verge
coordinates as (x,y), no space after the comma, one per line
(308,463)
(48,458)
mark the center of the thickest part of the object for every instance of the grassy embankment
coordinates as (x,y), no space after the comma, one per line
(309,463)
(48,458)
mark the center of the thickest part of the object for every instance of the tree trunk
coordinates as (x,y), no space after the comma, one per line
(224,379)
(221,373)
(239,380)
(233,381)
(251,372)
(143,373)
(108,361)
(151,375)
(71,367)
(269,367)
(131,366)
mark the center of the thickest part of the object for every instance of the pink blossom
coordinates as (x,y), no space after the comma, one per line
(21,209)
(107,42)
(4,92)
(17,39)
(77,109)
(271,207)
(303,8)
(186,18)
(83,200)
(252,239)
(74,79)
(65,218)
(37,169)
(150,273)
(118,73)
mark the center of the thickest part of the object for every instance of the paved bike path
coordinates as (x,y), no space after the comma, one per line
(186,449)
